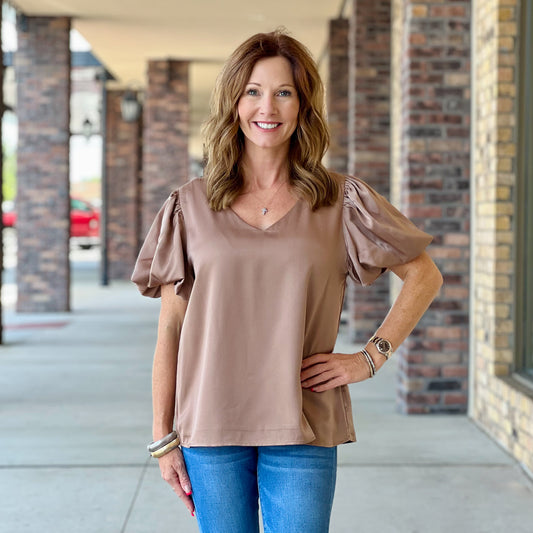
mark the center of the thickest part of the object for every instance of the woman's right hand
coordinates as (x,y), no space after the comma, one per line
(174,472)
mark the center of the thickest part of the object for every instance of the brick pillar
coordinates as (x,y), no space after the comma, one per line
(123,167)
(42,66)
(434,120)
(369,132)
(166,134)
(337,91)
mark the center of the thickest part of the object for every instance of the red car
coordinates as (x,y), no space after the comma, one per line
(84,221)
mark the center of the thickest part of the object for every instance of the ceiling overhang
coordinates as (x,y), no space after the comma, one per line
(124,36)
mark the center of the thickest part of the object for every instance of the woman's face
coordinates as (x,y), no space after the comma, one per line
(268,108)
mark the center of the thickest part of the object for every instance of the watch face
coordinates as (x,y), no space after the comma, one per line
(383,346)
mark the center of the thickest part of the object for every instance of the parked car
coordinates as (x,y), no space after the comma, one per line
(84,221)
(9,215)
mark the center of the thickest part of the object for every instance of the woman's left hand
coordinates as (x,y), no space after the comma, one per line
(325,371)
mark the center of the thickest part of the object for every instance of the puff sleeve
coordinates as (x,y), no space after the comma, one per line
(377,236)
(163,257)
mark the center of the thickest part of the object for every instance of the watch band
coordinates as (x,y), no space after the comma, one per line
(383,345)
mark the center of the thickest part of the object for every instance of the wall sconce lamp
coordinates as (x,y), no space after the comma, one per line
(87,128)
(130,107)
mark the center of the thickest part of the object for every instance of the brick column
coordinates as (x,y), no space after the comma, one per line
(166,134)
(123,167)
(337,91)
(42,65)
(434,120)
(369,132)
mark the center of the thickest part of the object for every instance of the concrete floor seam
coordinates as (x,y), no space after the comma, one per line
(135,496)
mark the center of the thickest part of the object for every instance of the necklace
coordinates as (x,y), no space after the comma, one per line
(265,209)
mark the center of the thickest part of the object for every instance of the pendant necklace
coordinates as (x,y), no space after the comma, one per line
(265,208)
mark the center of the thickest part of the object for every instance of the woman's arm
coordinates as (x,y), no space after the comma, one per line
(165,361)
(171,317)
(421,283)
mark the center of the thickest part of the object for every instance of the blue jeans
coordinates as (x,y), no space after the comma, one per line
(295,485)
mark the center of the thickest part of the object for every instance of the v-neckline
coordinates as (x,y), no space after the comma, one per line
(278,221)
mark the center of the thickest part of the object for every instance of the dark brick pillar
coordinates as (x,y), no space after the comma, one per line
(435,182)
(337,91)
(123,166)
(369,137)
(166,134)
(42,66)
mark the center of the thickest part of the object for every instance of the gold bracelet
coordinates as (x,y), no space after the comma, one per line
(165,449)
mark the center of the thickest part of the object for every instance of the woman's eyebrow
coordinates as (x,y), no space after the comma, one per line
(281,85)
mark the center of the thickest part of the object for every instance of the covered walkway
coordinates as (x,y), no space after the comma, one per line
(75,415)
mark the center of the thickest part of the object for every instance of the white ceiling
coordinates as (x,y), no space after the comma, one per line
(124,35)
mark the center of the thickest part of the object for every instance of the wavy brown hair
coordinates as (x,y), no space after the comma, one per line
(224,140)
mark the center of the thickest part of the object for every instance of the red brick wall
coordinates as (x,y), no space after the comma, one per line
(435,183)
(166,131)
(337,91)
(369,137)
(42,65)
(123,167)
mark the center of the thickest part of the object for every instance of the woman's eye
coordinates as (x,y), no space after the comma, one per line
(284,92)
(252,92)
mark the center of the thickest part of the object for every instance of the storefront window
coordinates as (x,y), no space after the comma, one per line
(525,199)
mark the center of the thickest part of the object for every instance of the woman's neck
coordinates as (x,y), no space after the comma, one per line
(264,170)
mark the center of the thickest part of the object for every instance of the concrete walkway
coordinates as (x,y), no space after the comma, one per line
(75,417)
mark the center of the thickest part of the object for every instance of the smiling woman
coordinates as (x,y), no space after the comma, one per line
(236,89)
(251,265)
(268,109)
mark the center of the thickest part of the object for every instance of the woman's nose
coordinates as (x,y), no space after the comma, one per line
(268,104)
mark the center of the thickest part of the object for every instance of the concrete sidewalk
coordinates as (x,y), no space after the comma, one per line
(75,417)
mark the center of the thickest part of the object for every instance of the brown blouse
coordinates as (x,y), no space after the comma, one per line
(261,300)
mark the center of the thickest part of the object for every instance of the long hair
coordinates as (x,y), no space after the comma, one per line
(224,140)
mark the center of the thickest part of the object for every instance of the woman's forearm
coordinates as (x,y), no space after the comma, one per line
(164,384)
(165,361)
(421,283)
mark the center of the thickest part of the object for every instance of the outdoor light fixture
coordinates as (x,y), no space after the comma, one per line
(87,128)
(130,107)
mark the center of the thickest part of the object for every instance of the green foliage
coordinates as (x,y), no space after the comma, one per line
(9,177)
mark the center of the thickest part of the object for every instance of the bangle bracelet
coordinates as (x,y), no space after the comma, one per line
(165,449)
(156,445)
(370,362)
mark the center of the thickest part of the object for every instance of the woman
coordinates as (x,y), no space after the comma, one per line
(251,264)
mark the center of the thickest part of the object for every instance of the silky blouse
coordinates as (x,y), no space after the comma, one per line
(259,301)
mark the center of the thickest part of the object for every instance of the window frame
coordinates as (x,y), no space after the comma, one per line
(524,196)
